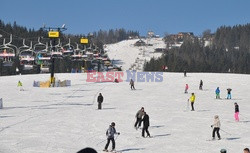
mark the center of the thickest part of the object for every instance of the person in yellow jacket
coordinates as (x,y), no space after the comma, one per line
(192,99)
(20,85)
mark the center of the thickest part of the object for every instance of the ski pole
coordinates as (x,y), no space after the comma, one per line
(101,142)
(225,132)
(117,136)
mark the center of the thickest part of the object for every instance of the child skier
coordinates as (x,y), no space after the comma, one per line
(217,92)
(236,114)
(216,127)
(20,85)
(132,84)
(229,93)
(186,88)
(110,137)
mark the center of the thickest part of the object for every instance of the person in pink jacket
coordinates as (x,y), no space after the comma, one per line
(186,88)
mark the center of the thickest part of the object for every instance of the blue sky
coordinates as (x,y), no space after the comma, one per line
(161,16)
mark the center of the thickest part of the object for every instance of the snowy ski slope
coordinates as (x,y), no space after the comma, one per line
(65,120)
(128,56)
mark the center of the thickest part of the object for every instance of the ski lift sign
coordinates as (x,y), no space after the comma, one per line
(53,34)
(84,41)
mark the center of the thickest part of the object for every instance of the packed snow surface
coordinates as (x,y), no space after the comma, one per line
(66,119)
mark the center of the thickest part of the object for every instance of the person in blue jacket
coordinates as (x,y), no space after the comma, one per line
(217,92)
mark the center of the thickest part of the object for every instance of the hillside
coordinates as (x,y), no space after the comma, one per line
(128,56)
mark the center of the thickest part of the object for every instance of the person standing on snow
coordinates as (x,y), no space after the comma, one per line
(216,127)
(236,114)
(192,99)
(185,73)
(186,88)
(217,92)
(111,131)
(20,85)
(132,84)
(100,100)
(201,84)
(138,116)
(145,125)
(229,93)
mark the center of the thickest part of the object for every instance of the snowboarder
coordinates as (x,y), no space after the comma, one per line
(100,100)
(216,127)
(185,73)
(201,84)
(217,92)
(138,117)
(186,88)
(132,84)
(111,131)
(246,150)
(145,125)
(229,93)
(20,85)
(236,114)
(192,99)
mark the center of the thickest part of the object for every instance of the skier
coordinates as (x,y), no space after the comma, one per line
(186,88)
(216,127)
(229,93)
(217,92)
(246,150)
(185,73)
(138,117)
(145,125)
(192,99)
(100,100)
(236,114)
(20,85)
(110,137)
(132,84)
(201,84)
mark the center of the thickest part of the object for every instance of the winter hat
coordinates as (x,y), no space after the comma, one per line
(87,150)
(113,124)
(223,151)
(216,116)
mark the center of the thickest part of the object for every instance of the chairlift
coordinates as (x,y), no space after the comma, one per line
(68,49)
(8,53)
(57,51)
(27,57)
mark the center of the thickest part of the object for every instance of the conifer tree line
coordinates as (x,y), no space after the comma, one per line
(229,52)
(98,38)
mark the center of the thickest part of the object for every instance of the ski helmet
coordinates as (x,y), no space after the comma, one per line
(113,124)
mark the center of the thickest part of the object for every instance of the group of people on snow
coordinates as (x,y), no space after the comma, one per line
(142,116)
(217,93)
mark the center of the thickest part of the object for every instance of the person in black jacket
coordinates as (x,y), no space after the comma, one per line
(236,114)
(185,73)
(201,84)
(145,125)
(100,100)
